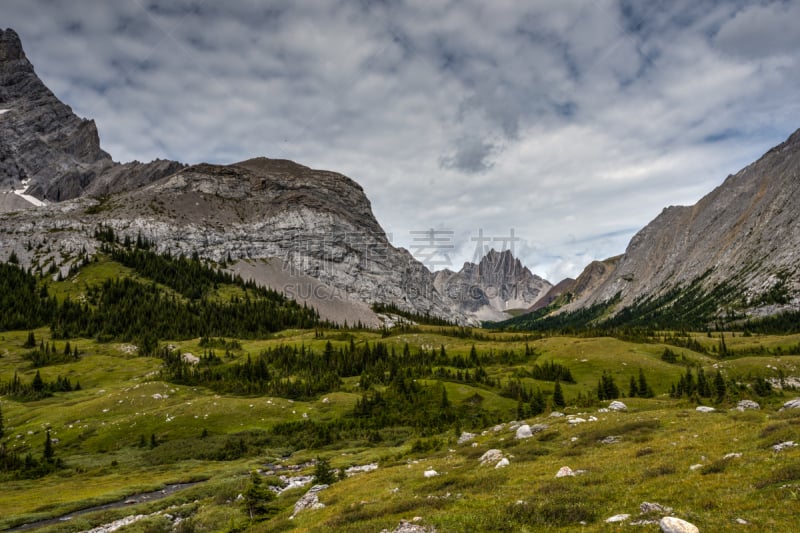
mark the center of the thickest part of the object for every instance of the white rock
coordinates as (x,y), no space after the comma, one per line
(310,500)
(747,404)
(503,463)
(617,518)
(556,414)
(498,427)
(190,358)
(326,400)
(603,410)
(565,471)
(491,456)
(732,455)
(670,524)
(696,467)
(617,406)
(704,409)
(430,473)
(524,432)
(576,420)
(353,470)
(784,445)
(466,437)
(792,404)
(742,521)
(611,439)
(651,507)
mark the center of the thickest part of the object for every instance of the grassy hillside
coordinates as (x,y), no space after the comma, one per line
(397,399)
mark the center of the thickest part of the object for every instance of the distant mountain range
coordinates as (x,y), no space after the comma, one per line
(312,234)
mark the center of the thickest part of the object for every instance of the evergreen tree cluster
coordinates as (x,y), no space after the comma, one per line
(417,318)
(640,387)
(700,386)
(606,388)
(47,354)
(130,310)
(15,466)
(551,371)
(25,305)
(37,388)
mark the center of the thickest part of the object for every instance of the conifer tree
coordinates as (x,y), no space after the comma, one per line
(31,342)
(633,388)
(257,496)
(323,474)
(48,447)
(720,389)
(558,396)
(644,388)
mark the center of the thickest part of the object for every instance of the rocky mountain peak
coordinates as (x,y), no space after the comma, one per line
(45,149)
(10,46)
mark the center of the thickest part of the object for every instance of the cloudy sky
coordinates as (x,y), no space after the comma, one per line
(569,123)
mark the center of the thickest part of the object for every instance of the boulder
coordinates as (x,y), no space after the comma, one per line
(430,473)
(491,456)
(556,414)
(670,524)
(502,463)
(617,406)
(704,409)
(565,471)
(792,404)
(747,404)
(465,437)
(524,432)
(309,500)
(617,518)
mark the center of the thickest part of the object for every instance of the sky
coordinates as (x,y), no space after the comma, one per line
(557,129)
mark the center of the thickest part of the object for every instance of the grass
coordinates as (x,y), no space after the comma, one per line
(100,427)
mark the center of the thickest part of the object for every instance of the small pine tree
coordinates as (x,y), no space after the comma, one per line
(645,391)
(48,453)
(558,396)
(323,475)
(720,389)
(257,496)
(31,342)
(153,440)
(633,388)
(38,383)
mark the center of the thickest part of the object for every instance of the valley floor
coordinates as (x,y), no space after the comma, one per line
(129,430)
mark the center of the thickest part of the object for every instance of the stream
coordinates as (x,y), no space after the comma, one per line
(130,500)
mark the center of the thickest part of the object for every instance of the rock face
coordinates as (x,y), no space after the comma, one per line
(45,145)
(497,284)
(742,238)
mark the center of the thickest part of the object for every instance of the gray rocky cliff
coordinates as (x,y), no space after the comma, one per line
(745,234)
(44,147)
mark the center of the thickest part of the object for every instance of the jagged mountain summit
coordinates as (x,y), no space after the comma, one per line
(46,151)
(308,233)
(489,290)
(735,252)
